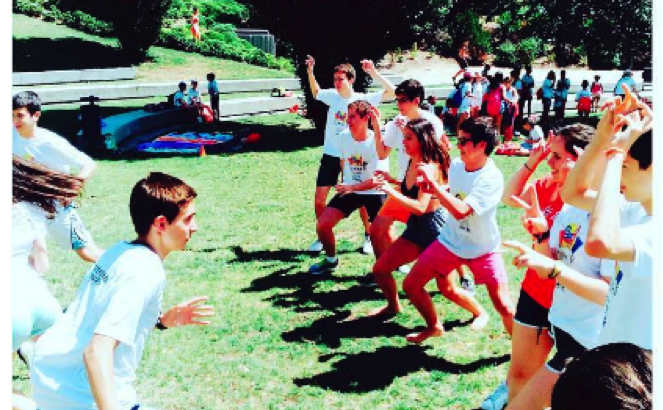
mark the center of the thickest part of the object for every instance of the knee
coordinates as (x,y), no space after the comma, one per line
(379,226)
(504,307)
(320,201)
(324,226)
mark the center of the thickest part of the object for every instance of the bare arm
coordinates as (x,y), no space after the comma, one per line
(382,150)
(98,359)
(389,89)
(312,82)
(518,183)
(87,170)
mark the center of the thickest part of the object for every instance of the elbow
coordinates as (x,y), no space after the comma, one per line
(598,248)
(459,215)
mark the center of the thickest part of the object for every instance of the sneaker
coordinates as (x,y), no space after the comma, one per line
(367,248)
(367,281)
(404,269)
(467,284)
(316,246)
(323,267)
(497,399)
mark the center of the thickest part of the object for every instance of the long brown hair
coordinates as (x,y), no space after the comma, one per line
(432,150)
(42,186)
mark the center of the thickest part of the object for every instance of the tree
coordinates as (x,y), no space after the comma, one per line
(137,24)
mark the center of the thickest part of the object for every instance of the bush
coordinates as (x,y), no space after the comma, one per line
(32,8)
(506,54)
(529,49)
(137,25)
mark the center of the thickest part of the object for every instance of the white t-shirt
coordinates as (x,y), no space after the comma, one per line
(120,297)
(194,96)
(27,226)
(628,310)
(573,314)
(337,116)
(478,233)
(51,150)
(477,95)
(536,133)
(360,160)
(393,138)
(465,88)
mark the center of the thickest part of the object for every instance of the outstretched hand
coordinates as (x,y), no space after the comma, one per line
(310,62)
(188,313)
(368,66)
(541,149)
(374,117)
(634,124)
(534,221)
(528,258)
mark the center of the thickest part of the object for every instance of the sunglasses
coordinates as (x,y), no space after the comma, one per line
(462,141)
(402,100)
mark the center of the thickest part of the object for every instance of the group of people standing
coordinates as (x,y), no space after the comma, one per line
(589,266)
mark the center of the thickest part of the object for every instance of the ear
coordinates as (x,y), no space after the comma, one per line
(160,223)
(351,80)
(36,115)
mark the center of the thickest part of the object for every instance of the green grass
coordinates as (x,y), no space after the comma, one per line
(43,46)
(282,339)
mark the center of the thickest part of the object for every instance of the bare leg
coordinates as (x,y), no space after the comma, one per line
(537,392)
(364,220)
(448,287)
(401,252)
(328,220)
(414,286)
(382,234)
(529,351)
(499,294)
(321,194)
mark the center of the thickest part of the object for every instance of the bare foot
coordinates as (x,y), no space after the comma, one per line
(479,322)
(420,337)
(384,313)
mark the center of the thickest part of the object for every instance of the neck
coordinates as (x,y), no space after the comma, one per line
(346,93)
(648,205)
(414,114)
(476,165)
(417,158)
(151,241)
(27,133)
(360,134)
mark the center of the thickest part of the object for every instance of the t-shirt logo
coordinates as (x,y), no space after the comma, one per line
(569,238)
(340,121)
(614,287)
(464,224)
(98,275)
(357,167)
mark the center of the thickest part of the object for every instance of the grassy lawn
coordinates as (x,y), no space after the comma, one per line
(42,46)
(281,338)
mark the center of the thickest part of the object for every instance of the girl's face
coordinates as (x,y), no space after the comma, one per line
(560,161)
(411,143)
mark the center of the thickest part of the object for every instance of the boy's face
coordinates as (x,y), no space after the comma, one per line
(407,106)
(636,183)
(341,82)
(355,122)
(176,234)
(470,152)
(560,161)
(24,121)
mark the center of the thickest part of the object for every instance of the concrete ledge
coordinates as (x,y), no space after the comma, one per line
(73,76)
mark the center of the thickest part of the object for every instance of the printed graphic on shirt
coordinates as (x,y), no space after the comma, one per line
(614,288)
(98,275)
(464,225)
(569,238)
(357,167)
(340,121)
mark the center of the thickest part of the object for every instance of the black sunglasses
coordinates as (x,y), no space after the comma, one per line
(462,141)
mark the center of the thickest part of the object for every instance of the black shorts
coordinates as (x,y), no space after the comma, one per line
(422,230)
(462,62)
(566,348)
(351,202)
(330,169)
(530,313)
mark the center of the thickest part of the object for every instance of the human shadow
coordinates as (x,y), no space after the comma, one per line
(369,371)
(330,330)
(69,53)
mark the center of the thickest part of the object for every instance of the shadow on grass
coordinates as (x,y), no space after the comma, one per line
(369,371)
(70,53)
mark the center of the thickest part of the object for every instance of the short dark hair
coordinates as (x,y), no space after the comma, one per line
(578,135)
(211,76)
(641,150)
(615,376)
(584,84)
(27,99)
(158,194)
(362,107)
(347,69)
(412,89)
(481,129)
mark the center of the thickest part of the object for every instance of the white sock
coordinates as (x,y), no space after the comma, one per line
(331,259)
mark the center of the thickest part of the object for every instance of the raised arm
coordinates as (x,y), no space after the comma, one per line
(458,208)
(416,206)
(518,182)
(389,88)
(382,149)
(312,82)
(98,359)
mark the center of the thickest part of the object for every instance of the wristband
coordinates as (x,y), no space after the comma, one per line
(542,237)
(160,324)
(528,168)
(614,150)
(554,273)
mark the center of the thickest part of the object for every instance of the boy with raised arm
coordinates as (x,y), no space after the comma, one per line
(34,143)
(87,360)
(338,100)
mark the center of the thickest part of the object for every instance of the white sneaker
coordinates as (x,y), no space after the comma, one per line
(404,269)
(316,246)
(367,248)
(497,399)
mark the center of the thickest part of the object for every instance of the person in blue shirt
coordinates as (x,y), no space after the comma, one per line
(563,85)
(584,100)
(627,78)
(548,92)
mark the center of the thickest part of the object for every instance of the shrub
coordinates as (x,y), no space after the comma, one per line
(529,49)
(137,25)
(32,8)
(506,54)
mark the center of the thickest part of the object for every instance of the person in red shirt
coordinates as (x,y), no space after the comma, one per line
(541,199)
(195,24)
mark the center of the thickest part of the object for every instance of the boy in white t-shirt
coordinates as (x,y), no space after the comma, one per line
(34,143)
(338,99)
(360,160)
(87,360)
(470,236)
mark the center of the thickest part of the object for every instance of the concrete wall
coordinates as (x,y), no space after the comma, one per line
(73,76)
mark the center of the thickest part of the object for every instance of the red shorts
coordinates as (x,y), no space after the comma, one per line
(487,269)
(395,210)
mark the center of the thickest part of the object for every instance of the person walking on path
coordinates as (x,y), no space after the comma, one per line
(195,24)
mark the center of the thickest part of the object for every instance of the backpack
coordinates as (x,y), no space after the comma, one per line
(584,104)
(494,102)
(457,98)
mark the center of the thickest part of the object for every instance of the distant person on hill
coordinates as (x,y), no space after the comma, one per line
(564,84)
(463,56)
(547,94)
(627,78)
(597,92)
(195,24)
(494,97)
(465,89)
(37,144)
(510,108)
(584,100)
(476,95)
(525,93)
(88,359)
(338,99)
(213,91)
(180,99)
